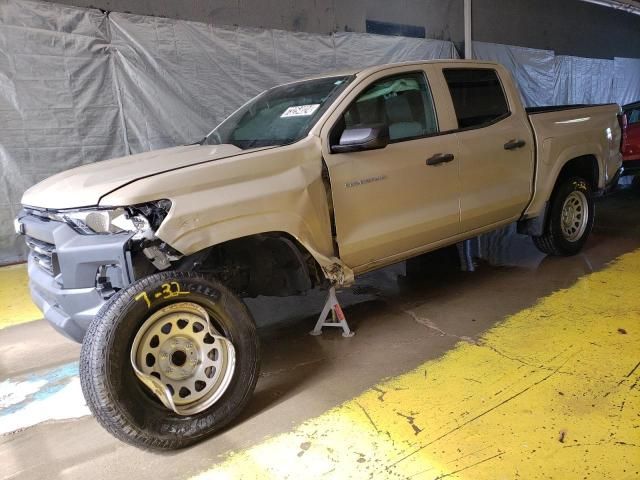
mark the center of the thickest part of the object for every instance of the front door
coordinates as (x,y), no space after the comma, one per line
(390,201)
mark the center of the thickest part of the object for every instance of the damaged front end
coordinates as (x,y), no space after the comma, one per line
(79,258)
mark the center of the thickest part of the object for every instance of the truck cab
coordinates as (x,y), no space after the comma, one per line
(459,160)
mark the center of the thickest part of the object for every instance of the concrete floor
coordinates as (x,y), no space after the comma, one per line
(402,321)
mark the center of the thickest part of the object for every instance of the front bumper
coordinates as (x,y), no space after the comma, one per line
(66,290)
(68,310)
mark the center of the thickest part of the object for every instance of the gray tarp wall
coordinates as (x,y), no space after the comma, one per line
(548,79)
(177,79)
(79,86)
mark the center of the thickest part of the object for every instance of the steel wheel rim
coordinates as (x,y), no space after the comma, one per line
(575,216)
(182,358)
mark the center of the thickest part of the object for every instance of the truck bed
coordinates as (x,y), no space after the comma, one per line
(566,132)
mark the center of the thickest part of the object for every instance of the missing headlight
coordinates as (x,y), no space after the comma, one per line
(142,220)
(154,212)
(104,221)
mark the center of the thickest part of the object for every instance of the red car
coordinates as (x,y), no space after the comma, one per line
(630,122)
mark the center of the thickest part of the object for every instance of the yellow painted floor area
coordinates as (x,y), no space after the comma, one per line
(14,297)
(552,392)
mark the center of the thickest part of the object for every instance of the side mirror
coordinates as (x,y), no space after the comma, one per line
(362,138)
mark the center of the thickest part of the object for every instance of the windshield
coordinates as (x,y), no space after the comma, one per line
(279,116)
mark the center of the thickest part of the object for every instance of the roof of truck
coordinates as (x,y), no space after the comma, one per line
(365,71)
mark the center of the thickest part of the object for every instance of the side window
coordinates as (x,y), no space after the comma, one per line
(633,116)
(402,102)
(477,96)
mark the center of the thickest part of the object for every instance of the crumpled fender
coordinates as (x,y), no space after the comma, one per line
(271,190)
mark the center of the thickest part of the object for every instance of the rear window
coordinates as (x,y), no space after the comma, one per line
(633,116)
(477,96)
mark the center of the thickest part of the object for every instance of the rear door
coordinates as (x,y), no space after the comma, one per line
(496,148)
(389,201)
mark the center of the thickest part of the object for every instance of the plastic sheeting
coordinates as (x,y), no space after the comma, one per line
(178,79)
(58,103)
(583,80)
(78,86)
(533,69)
(626,84)
(547,79)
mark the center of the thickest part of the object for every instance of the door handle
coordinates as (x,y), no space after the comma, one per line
(440,158)
(514,144)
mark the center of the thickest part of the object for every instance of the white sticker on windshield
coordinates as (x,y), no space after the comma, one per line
(300,111)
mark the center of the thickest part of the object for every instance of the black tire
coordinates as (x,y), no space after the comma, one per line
(553,241)
(117,398)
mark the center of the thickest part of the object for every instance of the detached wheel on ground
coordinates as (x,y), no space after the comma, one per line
(570,219)
(170,360)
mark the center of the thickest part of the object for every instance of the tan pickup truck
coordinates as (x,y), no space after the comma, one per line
(309,184)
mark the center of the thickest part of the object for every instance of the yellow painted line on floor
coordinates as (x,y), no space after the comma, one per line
(552,392)
(15,302)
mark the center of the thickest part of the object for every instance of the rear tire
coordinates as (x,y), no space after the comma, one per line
(121,403)
(570,219)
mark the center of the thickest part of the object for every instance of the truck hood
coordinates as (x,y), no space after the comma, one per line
(84,186)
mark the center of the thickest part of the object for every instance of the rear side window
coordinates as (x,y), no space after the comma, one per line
(477,96)
(633,116)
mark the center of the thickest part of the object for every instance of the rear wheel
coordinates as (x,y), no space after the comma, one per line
(570,219)
(170,360)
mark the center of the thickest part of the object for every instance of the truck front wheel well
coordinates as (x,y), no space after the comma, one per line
(270,264)
(584,167)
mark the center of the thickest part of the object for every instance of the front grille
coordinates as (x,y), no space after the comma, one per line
(44,255)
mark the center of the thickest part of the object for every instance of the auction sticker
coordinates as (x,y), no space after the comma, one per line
(300,110)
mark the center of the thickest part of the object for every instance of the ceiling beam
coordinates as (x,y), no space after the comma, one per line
(629,6)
